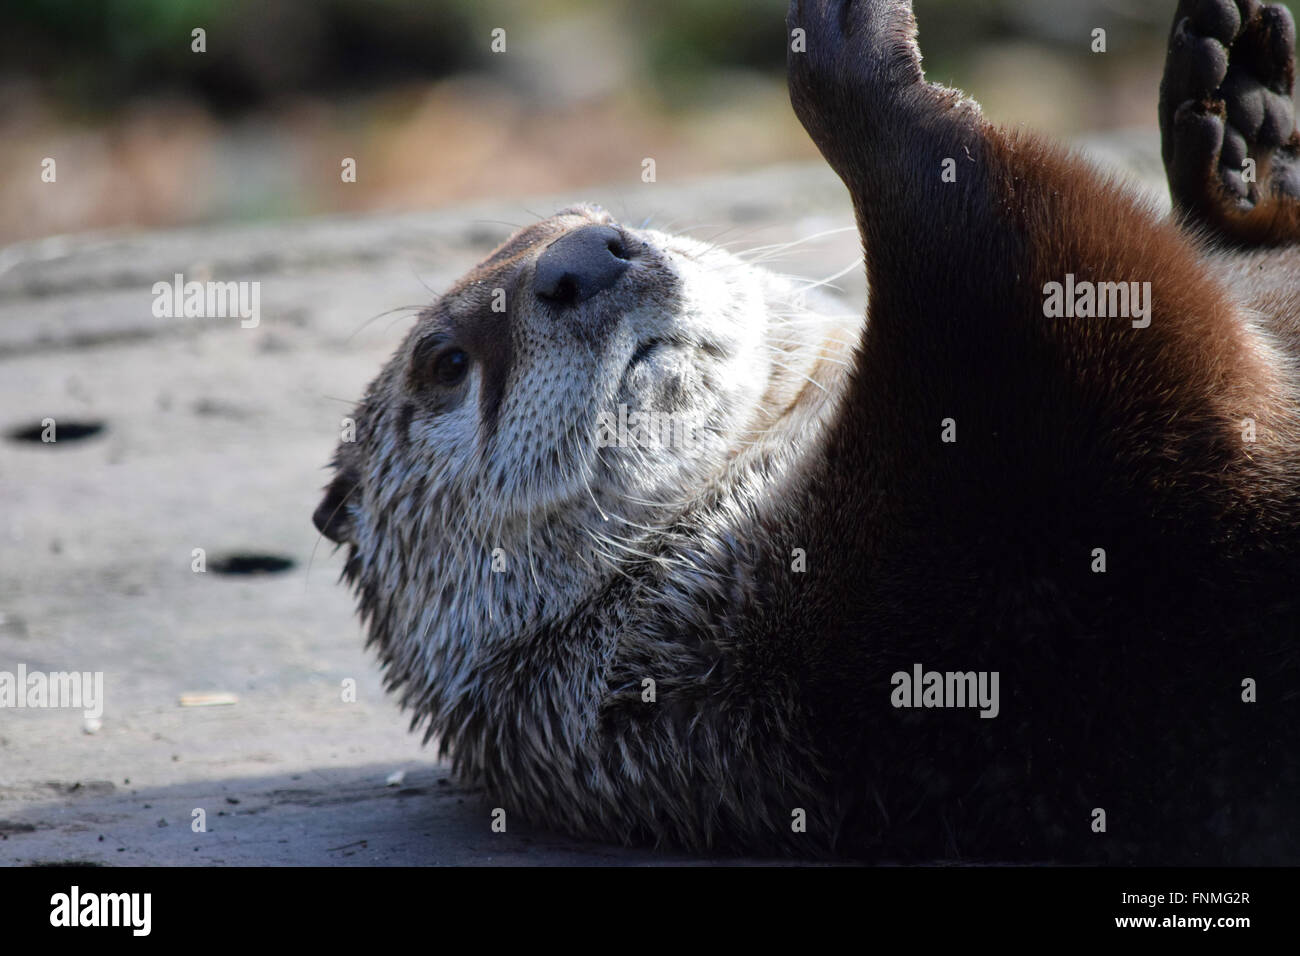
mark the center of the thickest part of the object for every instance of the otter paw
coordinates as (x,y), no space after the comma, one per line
(868,46)
(849,61)
(1231,149)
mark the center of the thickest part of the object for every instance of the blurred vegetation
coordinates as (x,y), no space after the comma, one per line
(100,53)
(96,54)
(148,133)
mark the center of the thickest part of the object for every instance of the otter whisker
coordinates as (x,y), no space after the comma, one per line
(774,249)
(373,318)
(856,264)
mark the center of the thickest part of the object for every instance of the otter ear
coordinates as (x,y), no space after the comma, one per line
(332,517)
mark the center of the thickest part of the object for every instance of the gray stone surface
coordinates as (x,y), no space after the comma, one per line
(216,437)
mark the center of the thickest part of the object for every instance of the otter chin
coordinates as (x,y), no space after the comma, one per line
(661,549)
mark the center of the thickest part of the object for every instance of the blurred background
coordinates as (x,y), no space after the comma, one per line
(147,133)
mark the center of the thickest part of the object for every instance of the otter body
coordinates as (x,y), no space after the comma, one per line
(1091,511)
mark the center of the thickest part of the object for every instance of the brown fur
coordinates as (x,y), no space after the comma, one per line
(1121,690)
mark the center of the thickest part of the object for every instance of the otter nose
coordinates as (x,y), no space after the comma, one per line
(578,265)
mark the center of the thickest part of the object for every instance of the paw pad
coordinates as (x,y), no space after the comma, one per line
(1226,98)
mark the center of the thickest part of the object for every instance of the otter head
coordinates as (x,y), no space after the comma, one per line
(583,383)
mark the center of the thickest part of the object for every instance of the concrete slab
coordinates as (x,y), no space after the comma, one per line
(215,437)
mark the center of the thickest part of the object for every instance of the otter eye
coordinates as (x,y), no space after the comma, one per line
(450,367)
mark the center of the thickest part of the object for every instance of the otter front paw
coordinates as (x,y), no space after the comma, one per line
(1231,149)
(849,61)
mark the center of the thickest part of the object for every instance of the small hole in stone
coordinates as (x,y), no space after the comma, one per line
(251,564)
(63,432)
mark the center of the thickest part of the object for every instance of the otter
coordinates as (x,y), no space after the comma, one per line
(973,577)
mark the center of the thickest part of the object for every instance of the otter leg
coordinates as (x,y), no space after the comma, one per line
(919,160)
(857,86)
(1227,120)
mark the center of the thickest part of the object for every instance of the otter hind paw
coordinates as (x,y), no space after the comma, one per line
(1231,148)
